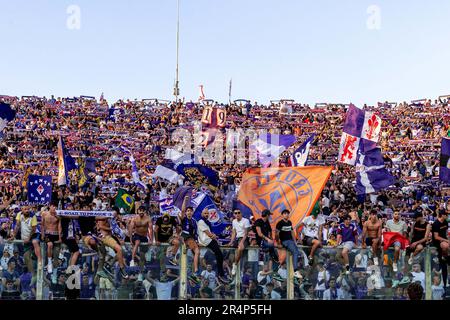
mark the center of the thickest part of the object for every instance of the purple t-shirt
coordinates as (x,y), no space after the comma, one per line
(348,233)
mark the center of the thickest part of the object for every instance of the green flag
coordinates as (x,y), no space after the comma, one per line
(124,200)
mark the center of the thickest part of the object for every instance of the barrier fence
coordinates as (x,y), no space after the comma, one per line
(157,276)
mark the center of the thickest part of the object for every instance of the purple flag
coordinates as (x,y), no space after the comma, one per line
(444,166)
(354,121)
(371,174)
(270,146)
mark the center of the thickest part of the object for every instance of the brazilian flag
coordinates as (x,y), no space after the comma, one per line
(124,200)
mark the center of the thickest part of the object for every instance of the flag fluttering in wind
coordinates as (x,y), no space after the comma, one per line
(269,146)
(202,93)
(300,156)
(296,189)
(444,164)
(360,127)
(7,114)
(371,173)
(124,201)
(135,174)
(65,163)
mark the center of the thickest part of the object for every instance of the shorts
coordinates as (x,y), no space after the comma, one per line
(72,245)
(308,241)
(369,241)
(29,245)
(238,240)
(105,283)
(110,241)
(51,238)
(138,237)
(348,244)
(186,236)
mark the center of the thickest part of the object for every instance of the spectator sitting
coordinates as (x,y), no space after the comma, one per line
(332,293)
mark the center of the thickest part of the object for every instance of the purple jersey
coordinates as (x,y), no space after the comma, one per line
(348,233)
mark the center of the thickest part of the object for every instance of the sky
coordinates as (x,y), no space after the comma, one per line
(312,51)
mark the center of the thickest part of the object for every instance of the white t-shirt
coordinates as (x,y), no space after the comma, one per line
(260,277)
(283,273)
(26,225)
(419,276)
(322,275)
(275,295)
(253,255)
(163,290)
(203,238)
(211,276)
(311,226)
(241,227)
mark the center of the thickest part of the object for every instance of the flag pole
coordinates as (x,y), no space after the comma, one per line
(229,92)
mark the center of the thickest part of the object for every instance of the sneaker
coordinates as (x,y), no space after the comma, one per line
(132,263)
(298,275)
(394,267)
(173,261)
(310,261)
(375,261)
(49,268)
(233,270)
(123,273)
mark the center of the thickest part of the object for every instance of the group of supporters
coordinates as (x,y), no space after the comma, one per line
(115,255)
(106,238)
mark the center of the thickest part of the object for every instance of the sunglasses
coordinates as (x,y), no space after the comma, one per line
(237,212)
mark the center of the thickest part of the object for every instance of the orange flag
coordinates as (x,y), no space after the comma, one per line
(294,188)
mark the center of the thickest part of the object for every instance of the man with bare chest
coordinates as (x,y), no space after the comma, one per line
(141,230)
(371,235)
(51,233)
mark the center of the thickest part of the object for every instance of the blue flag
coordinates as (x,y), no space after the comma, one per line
(269,146)
(246,211)
(444,166)
(300,156)
(39,189)
(219,226)
(6,114)
(371,174)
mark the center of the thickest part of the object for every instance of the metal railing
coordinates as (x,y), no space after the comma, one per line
(154,277)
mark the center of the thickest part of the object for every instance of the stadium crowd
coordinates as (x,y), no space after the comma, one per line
(339,255)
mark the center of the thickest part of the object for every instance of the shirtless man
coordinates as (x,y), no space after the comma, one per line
(108,239)
(140,229)
(50,233)
(372,229)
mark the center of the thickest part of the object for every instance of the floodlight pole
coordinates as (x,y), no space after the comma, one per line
(176,89)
